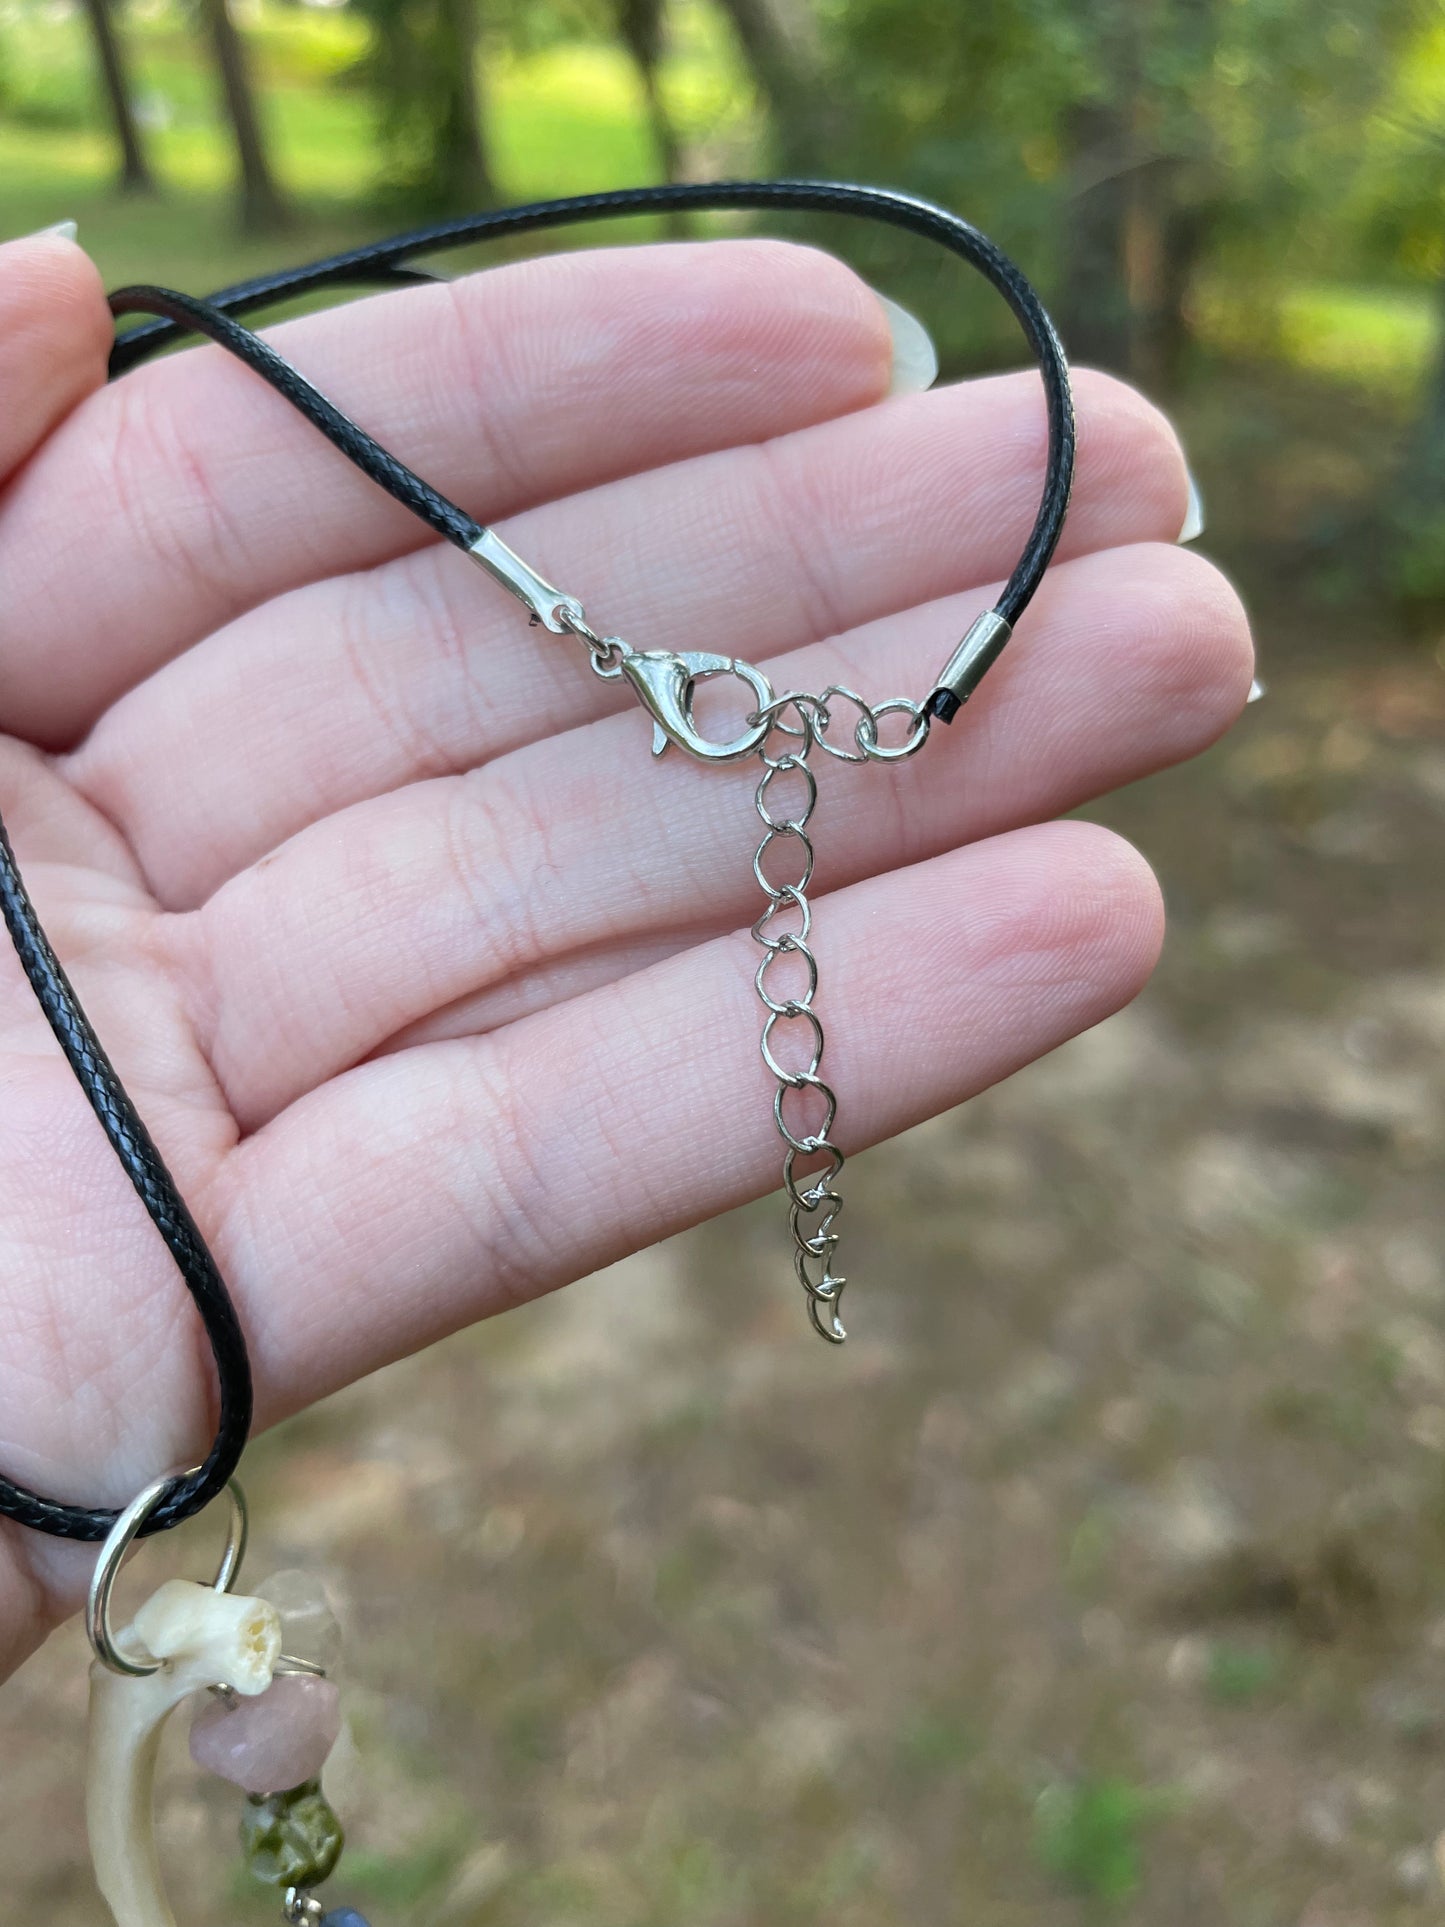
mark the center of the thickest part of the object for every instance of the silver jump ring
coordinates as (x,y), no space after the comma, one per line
(812,716)
(865,735)
(606,651)
(860,755)
(607,655)
(118,1543)
(573,618)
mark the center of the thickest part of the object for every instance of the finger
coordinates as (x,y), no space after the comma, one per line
(441,895)
(77,1421)
(55,334)
(49,824)
(431,1188)
(422,668)
(190,490)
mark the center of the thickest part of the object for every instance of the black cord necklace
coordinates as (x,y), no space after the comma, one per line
(780,729)
(272,1716)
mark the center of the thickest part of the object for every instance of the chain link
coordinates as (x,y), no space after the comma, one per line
(816,714)
(783,931)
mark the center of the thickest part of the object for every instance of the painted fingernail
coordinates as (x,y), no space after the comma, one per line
(1193,523)
(67,230)
(915,359)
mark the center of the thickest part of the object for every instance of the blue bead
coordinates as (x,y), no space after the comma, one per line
(344,1917)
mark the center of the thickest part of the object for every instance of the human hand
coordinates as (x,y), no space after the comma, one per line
(433,989)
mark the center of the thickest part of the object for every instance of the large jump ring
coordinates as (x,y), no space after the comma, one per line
(112,1557)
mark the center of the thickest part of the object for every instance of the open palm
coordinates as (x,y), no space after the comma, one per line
(433,989)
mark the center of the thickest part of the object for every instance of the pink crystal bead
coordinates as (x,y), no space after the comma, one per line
(276,1741)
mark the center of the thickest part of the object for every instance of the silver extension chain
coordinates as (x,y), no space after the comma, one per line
(814,1201)
(813,1198)
(664,680)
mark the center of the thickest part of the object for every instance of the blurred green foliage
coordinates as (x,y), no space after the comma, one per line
(1189,179)
(1238,1674)
(1089,1833)
(1257,175)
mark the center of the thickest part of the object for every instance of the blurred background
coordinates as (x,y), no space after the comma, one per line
(1102,1578)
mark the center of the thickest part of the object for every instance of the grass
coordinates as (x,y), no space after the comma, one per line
(561,120)
(1089,1835)
(564,119)
(934,1742)
(1377,339)
(1237,1674)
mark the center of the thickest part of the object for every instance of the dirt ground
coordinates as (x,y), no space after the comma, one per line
(1101,1578)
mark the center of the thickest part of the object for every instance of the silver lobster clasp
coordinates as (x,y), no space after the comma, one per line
(664,682)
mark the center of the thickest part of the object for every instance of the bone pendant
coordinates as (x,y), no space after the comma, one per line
(205,1638)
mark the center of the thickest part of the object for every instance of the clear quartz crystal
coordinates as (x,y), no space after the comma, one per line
(309,1627)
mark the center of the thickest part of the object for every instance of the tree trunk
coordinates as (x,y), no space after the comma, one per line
(664,135)
(263,207)
(1428,462)
(1183,242)
(1417,539)
(1173,216)
(464,174)
(1179,198)
(135,173)
(1094,311)
(641,27)
(779,44)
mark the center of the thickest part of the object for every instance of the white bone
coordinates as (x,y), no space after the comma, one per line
(205,1638)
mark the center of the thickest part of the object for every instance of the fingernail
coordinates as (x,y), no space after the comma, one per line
(67,230)
(915,359)
(1193,524)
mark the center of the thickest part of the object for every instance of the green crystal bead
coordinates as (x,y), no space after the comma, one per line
(291,1839)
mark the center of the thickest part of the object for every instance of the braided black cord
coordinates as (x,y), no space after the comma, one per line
(203,317)
(385,263)
(385,260)
(146,1169)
